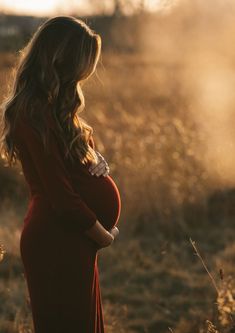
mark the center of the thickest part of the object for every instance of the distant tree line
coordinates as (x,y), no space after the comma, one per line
(118,31)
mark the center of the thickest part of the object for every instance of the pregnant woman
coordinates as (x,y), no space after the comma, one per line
(74,205)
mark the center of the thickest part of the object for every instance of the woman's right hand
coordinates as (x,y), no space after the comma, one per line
(113,234)
(114,231)
(101,236)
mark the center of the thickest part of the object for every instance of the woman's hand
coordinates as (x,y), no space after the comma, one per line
(114,231)
(99,235)
(100,168)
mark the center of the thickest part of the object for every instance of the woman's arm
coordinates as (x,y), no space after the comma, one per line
(71,210)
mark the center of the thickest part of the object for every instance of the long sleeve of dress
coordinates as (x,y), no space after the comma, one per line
(56,182)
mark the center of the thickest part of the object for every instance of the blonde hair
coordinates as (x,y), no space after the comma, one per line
(62,52)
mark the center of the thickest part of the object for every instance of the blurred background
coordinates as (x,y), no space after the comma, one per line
(162,105)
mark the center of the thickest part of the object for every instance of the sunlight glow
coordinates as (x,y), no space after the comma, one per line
(154,5)
(42,7)
(47,7)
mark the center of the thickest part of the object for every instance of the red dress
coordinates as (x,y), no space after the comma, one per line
(59,259)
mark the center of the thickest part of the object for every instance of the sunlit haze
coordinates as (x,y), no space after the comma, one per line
(42,7)
(46,7)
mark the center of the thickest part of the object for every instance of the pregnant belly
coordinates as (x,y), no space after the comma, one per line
(102,196)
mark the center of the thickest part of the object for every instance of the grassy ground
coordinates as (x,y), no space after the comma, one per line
(151,279)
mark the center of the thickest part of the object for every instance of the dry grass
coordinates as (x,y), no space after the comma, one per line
(149,123)
(150,280)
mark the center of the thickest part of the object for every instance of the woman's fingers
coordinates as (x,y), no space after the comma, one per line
(105,174)
(114,231)
(102,171)
(100,168)
(94,168)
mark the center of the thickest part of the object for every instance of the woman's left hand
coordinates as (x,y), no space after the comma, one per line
(100,168)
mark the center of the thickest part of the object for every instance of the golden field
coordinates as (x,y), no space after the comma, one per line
(163,119)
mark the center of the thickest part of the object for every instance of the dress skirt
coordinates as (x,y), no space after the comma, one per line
(62,274)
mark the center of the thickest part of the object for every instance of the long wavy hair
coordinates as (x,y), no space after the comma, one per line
(61,54)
